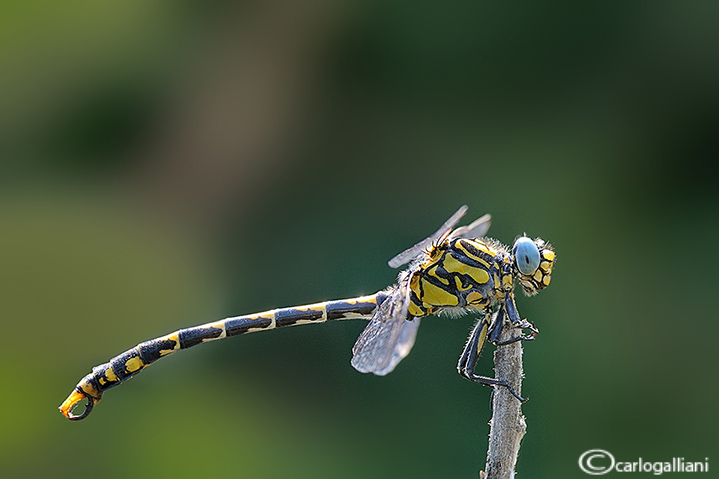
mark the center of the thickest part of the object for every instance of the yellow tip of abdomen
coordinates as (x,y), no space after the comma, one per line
(70,403)
(73,400)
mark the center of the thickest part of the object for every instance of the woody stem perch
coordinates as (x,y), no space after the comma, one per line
(507,426)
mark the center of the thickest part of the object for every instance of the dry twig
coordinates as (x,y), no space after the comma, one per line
(507,426)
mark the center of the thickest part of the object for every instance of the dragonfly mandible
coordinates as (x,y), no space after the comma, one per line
(452,271)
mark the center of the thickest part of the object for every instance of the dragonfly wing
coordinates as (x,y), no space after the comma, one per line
(409,254)
(403,346)
(388,337)
(476,229)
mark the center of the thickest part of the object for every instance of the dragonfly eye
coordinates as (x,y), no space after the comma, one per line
(526,255)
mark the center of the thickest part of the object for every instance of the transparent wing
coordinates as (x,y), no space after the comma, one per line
(409,254)
(476,229)
(403,346)
(388,337)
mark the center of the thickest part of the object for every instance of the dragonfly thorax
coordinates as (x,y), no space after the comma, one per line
(461,273)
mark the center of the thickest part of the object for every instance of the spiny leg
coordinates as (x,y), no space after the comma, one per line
(470,354)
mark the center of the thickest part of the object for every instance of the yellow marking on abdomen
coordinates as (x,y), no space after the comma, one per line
(110,375)
(315,307)
(352,315)
(362,299)
(218,325)
(134,364)
(171,337)
(266,315)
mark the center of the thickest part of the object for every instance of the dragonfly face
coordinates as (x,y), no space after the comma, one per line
(533,261)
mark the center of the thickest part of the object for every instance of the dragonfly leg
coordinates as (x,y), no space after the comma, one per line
(510,310)
(470,354)
(521,337)
(513,316)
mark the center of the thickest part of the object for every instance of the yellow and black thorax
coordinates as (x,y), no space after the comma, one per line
(469,273)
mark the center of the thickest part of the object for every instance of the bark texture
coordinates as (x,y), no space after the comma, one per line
(507,426)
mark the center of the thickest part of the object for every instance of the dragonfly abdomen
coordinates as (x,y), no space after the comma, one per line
(127,364)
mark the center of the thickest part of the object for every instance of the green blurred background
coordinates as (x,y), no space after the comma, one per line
(174,162)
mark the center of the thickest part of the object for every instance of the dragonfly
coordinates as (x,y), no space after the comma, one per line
(455,270)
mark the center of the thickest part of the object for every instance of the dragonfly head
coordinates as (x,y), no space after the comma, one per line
(533,261)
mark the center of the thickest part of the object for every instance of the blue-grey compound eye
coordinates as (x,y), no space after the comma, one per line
(526,255)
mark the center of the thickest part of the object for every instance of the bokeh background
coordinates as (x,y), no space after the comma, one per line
(174,162)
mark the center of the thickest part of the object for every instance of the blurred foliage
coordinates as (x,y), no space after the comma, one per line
(170,163)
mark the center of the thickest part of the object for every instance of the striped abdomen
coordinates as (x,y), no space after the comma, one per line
(132,361)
